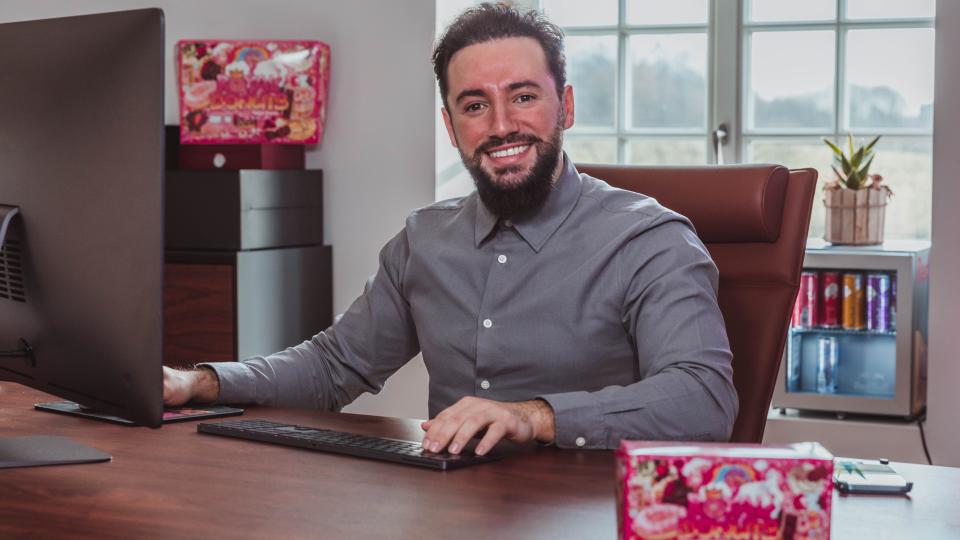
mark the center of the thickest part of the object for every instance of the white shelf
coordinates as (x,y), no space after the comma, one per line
(864,438)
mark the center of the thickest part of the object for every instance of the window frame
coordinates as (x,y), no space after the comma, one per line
(841,26)
(621,132)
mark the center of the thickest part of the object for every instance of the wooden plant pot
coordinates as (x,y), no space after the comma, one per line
(854,217)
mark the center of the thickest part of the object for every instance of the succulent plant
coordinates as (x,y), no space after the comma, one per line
(855,167)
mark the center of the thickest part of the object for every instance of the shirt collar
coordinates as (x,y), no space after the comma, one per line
(538,227)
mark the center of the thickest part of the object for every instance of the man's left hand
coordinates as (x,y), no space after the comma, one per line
(519,422)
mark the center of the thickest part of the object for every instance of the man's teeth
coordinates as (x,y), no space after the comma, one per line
(509,151)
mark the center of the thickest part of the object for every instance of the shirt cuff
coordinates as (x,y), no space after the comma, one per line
(579,422)
(237,382)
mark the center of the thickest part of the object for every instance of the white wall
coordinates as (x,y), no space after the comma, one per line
(378,149)
(943,401)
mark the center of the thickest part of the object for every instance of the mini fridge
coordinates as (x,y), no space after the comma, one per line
(857,341)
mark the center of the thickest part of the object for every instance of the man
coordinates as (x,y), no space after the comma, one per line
(548,306)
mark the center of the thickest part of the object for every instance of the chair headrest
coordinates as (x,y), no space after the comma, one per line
(726,203)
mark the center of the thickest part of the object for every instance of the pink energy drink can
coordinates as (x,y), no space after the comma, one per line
(805,311)
(830,312)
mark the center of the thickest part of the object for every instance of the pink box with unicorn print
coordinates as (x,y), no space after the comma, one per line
(696,491)
(252,92)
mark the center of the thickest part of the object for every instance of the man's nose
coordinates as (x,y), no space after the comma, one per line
(503,120)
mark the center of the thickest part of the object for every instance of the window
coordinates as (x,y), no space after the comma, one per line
(640,73)
(827,68)
(653,80)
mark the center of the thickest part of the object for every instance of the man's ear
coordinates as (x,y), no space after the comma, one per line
(568,109)
(449,124)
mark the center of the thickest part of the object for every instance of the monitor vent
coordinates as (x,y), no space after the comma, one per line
(11,270)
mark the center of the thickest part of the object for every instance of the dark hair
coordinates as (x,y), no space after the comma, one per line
(488,22)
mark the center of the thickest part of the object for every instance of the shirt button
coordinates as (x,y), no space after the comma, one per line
(487,323)
(580,441)
(502,259)
(507,223)
(485,384)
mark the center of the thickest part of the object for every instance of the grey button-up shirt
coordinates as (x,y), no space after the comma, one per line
(603,304)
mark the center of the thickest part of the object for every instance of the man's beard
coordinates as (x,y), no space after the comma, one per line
(526,194)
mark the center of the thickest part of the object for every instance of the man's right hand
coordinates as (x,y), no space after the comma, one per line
(198,385)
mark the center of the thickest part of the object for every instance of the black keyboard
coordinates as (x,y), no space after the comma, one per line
(325,440)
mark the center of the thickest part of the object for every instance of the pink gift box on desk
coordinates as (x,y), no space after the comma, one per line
(693,490)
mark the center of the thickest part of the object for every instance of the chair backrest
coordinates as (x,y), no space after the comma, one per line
(753,220)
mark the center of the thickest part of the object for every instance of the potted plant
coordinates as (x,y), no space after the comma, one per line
(856,200)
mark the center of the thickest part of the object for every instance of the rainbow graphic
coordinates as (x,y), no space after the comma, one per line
(734,474)
(251,54)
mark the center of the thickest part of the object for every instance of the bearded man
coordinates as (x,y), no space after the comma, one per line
(547,305)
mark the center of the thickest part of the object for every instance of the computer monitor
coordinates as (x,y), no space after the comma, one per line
(81,209)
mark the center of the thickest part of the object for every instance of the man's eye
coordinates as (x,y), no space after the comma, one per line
(473,107)
(524,98)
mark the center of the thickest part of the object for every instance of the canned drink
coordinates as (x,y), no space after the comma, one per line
(878,302)
(853,301)
(827,356)
(794,353)
(805,310)
(893,302)
(830,312)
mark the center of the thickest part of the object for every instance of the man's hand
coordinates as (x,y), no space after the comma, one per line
(179,387)
(519,422)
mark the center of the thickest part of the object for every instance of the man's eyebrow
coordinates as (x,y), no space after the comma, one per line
(523,84)
(476,92)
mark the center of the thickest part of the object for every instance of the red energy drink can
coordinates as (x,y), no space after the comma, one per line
(853,302)
(806,309)
(830,285)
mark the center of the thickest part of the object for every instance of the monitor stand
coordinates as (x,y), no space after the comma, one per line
(75,409)
(170,414)
(40,450)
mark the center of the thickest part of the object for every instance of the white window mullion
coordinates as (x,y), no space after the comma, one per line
(840,110)
(621,91)
(725,78)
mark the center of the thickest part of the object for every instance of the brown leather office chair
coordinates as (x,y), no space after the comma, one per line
(753,220)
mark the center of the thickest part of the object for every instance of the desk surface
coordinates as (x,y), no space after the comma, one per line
(173,482)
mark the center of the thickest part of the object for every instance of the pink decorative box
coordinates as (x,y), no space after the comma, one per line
(692,490)
(252,92)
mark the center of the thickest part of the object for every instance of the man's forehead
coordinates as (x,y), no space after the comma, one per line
(499,61)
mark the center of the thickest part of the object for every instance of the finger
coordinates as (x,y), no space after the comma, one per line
(466,432)
(442,431)
(435,426)
(494,434)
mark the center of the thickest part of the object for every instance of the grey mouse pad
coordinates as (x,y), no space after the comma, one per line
(45,450)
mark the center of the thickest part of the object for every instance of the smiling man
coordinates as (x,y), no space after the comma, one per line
(547,305)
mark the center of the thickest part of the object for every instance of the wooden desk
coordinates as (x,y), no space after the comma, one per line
(175,483)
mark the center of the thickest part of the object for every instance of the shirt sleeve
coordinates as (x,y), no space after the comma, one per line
(372,340)
(685,389)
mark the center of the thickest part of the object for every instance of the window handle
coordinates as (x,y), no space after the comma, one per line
(719,139)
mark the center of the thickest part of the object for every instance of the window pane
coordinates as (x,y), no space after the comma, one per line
(667,151)
(906,165)
(592,70)
(890,9)
(673,12)
(790,10)
(667,80)
(591,149)
(579,13)
(791,79)
(890,78)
